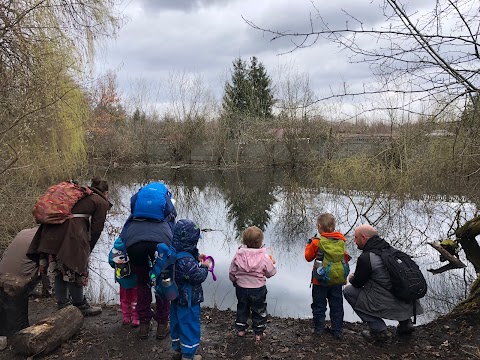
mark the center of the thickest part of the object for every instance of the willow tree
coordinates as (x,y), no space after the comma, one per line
(45,46)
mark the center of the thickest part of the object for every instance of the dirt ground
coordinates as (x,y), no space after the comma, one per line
(104,337)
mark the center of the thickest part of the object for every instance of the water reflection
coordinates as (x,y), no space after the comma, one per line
(225,202)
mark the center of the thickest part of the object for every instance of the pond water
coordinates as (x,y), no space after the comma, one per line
(285,205)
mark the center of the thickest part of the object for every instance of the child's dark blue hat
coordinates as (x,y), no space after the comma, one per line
(186,232)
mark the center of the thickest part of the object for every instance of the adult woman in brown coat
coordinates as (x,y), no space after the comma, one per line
(62,250)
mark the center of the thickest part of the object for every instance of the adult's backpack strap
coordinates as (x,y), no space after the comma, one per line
(414,311)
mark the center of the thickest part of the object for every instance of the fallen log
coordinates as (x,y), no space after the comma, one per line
(49,333)
(14,291)
(454,262)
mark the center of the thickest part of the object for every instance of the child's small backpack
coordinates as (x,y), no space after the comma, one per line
(55,206)
(118,259)
(334,269)
(163,271)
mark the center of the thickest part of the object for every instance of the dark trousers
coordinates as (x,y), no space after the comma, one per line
(66,291)
(251,301)
(320,295)
(375,324)
(141,256)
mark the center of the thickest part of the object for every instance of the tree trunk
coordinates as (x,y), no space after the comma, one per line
(466,235)
(49,333)
(14,291)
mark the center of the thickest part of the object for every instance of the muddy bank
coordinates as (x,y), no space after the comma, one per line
(104,337)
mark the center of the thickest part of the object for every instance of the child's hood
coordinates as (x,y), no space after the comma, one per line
(249,259)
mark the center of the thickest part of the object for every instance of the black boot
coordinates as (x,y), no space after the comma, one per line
(87,309)
(405,327)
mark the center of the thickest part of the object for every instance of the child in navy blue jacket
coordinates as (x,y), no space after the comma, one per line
(190,273)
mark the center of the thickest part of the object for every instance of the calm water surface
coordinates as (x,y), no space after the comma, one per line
(285,206)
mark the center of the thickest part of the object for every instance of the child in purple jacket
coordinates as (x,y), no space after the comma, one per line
(250,268)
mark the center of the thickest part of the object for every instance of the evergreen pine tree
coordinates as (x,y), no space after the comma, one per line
(248,95)
(261,99)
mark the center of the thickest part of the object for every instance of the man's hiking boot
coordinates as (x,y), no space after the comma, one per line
(405,327)
(376,336)
(87,309)
(335,334)
(162,331)
(144,331)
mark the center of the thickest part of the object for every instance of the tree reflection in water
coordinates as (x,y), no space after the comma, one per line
(285,205)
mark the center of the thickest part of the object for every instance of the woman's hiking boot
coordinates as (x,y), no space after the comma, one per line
(144,331)
(87,309)
(405,327)
(162,331)
(61,305)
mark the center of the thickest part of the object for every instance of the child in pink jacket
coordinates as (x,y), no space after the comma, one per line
(249,270)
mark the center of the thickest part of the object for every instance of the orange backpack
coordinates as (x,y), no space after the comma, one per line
(55,206)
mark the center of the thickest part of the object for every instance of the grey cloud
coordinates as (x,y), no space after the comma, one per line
(304,19)
(162,40)
(180,5)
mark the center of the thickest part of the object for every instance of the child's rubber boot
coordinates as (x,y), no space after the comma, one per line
(135,319)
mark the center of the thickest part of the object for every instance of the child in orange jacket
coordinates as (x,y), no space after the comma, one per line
(325,287)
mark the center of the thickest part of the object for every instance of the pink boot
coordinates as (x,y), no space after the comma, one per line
(133,297)
(125,306)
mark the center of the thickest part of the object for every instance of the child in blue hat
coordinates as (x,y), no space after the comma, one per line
(190,272)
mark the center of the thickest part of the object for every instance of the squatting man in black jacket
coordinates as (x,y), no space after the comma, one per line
(369,293)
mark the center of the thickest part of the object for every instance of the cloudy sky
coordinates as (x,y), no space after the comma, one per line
(203,37)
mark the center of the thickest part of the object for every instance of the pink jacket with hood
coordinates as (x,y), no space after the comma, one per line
(251,267)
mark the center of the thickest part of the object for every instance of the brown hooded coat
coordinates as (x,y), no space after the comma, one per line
(72,241)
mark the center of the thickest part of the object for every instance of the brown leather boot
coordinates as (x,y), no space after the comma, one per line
(144,331)
(162,331)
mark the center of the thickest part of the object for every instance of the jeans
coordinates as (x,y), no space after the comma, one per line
(66,291)
(374,323)
(320,295)
(141,255)
(251,301)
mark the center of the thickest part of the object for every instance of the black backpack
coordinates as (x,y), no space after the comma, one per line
(408,283)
